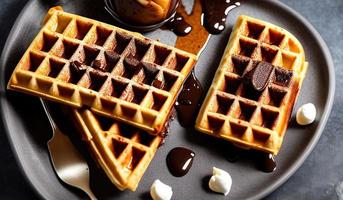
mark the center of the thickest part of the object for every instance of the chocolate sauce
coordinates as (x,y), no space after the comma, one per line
(266,162)
(178,25)
(179,161)
(77,70)
(215,13)
(188,102)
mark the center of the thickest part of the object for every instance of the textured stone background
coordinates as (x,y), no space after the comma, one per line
(319,175)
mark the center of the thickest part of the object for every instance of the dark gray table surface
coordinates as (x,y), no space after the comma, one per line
(320,174)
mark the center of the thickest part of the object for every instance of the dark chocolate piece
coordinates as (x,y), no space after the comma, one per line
(188,102)
(215,13)
(99,64)
(77,70)
(283,76)
(258,76)
(131,61)
(158,83)
(112,56)
(150,71)
(179,26)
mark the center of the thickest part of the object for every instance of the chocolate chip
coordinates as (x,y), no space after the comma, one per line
(158,83)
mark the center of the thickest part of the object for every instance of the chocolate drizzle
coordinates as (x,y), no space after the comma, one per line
(266,162)
(188,102)
(179,161)
(179,26)
(215,13)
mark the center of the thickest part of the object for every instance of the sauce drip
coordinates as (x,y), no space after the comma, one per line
(215,13)
(266,162)
(179,161)
(178,25)
(188,102)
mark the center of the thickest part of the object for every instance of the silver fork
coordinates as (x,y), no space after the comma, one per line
(68,163)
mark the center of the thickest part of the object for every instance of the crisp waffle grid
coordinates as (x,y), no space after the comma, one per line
(123,151)
(234,112)
(79,61)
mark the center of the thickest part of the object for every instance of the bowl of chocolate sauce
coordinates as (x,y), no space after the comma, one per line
(129,18)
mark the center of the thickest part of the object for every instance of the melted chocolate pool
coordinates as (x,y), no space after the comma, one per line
(215,13)
(179,161)
(178,25)
(266,162)
(188,102)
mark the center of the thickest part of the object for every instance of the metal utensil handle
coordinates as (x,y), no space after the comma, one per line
(46,109)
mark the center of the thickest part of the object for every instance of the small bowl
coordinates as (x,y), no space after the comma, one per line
(109,7)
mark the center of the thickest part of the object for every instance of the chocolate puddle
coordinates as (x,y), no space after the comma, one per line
(179,161)
(215,13)
(179,26)
(188,102)
(266,162)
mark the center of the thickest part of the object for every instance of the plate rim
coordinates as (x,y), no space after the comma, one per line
(283,178)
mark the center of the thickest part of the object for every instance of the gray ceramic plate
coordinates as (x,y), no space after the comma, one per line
(28,128)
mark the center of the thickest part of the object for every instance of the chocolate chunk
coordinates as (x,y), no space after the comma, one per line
(100,64)
(283,76)
(77,66)
(131,61)
(131,67)
(77,69)
(259,75)
(97,80)
(149,68)
(150,71)
(240,63)
(158,84)
(112,56)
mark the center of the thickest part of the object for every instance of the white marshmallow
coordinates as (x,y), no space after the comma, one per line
(306,114)
(220,181)
(160,191)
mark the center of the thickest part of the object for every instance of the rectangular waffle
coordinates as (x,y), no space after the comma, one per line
(123,151)
(116,73)
(234,112)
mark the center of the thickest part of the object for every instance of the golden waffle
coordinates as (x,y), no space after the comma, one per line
(123,151)
(120,74)
(234,112)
